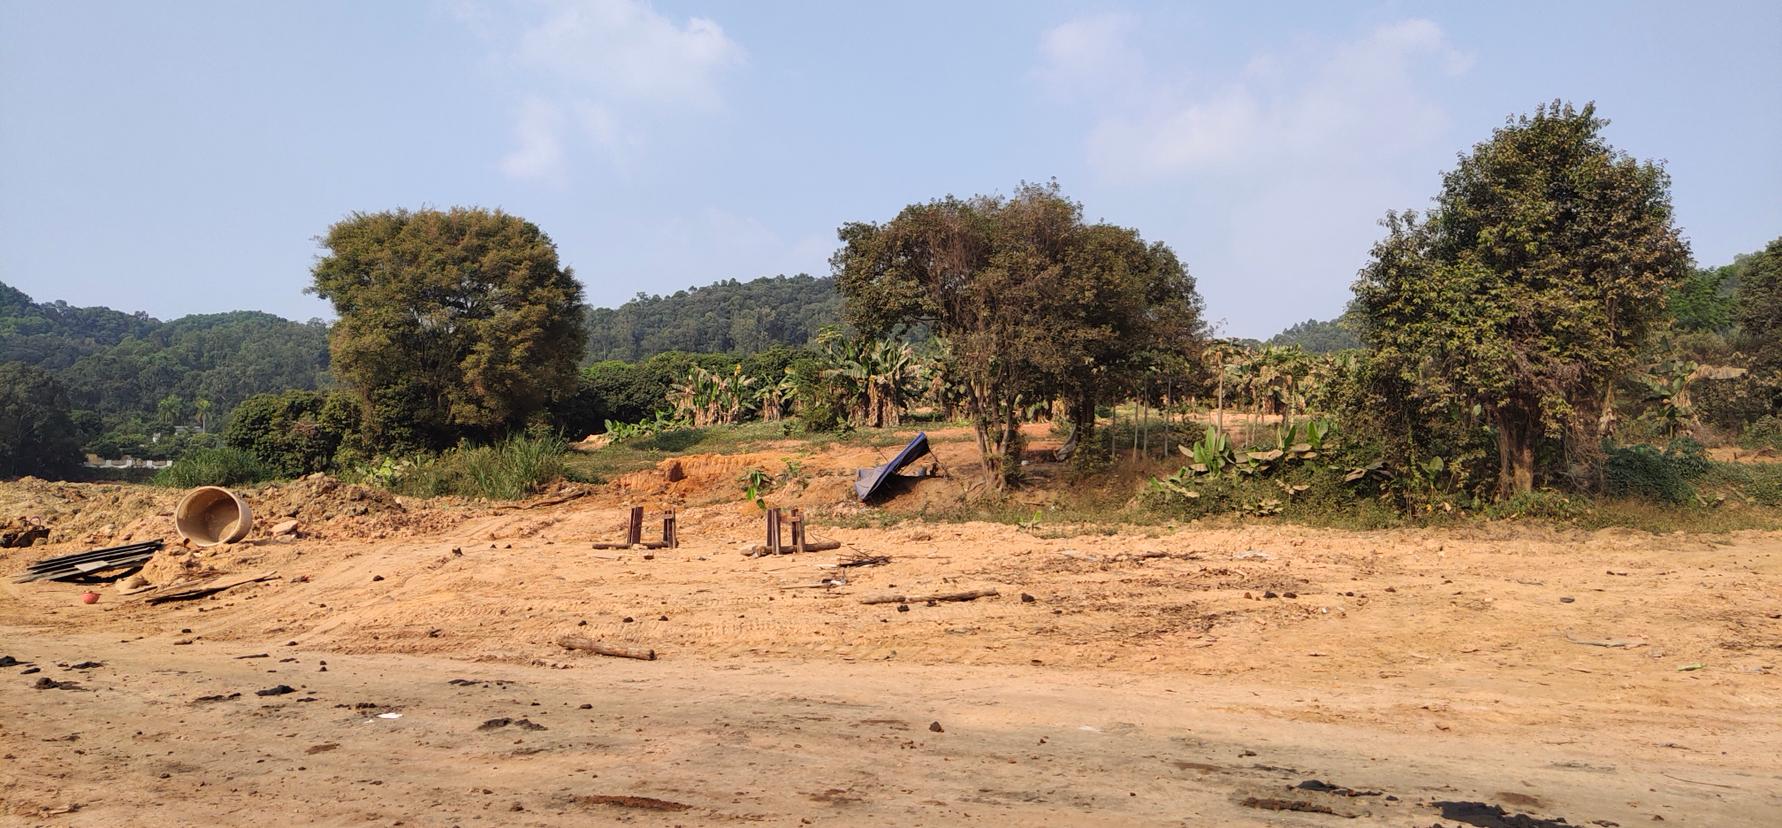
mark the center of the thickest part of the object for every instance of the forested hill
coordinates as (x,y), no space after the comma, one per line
(131,374)
(1318,337)
(727,317)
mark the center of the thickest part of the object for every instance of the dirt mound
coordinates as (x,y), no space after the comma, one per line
(318,497)
(91,513)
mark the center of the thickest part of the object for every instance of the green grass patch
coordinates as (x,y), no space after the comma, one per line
(213,467)
(511,469)
(637,454)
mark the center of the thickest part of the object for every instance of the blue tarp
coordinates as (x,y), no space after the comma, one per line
(867,482)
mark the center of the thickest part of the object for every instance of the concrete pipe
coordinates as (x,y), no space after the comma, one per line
(210,515)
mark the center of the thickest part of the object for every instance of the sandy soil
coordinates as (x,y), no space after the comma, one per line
(1184,676)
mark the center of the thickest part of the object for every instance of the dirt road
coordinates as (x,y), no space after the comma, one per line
(427,741)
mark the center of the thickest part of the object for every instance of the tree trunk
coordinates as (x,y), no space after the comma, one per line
(1515,453)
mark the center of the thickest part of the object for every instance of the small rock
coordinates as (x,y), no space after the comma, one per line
(903,607)
(935,727)
(1567,599)
(586,707)
(377,577)
(276,691)
(1027,599)
(1270,594)
(287,527)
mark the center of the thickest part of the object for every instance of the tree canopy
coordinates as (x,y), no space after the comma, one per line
(1760,306)
(1030,302)
(36,435)
(1525,291)
(453,324)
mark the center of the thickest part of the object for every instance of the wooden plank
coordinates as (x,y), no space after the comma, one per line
(634,529)
(969,595)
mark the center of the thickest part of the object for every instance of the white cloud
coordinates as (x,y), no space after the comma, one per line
(624,49)
(1088,54)
(1330,102)
(599,75)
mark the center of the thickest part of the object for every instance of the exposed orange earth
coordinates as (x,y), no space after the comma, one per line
(1260,674)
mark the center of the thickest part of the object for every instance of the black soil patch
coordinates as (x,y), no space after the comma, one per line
(1494,816)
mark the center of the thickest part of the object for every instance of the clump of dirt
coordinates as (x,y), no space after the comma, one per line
(174,565)
(21,532)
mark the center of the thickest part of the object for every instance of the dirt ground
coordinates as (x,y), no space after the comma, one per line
(1259,675)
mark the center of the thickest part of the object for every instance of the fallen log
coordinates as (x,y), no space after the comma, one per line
(969,595)
(787,549)
(577,642)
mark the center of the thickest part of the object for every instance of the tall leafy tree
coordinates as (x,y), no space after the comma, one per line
(1525,291)
(453,324)
(36,435)
(1760,306)
(1031,303)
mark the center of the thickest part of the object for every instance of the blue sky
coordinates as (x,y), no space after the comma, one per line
(180,157)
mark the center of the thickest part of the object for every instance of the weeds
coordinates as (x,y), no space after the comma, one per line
(508,470)
(213,467)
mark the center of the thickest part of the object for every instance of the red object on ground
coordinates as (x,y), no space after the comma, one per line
(89,597)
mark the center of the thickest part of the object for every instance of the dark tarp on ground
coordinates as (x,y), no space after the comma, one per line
(867,482)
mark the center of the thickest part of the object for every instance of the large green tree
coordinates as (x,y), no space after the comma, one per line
(1760,306)
(1031,302)
(453,324)
(1526,290)
(36,435)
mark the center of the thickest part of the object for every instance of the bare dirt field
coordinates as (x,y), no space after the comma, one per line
(1496,674)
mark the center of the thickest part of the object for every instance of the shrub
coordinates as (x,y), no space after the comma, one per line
(1763,432)
(508,470)
(1643,471)
(1689,457)
(1540,503)
(293,433)
(213,467)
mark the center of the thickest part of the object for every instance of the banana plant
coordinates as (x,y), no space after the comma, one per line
(1212,453)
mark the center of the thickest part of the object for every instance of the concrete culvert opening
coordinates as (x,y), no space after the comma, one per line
(211,515)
